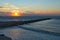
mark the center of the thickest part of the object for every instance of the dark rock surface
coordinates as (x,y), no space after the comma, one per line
(16,23)
(3,37)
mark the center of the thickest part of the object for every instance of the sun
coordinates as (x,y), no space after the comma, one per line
(15,13)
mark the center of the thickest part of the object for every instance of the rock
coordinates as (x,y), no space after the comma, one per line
(3,37)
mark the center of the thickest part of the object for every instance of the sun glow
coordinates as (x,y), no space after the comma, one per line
(15,13)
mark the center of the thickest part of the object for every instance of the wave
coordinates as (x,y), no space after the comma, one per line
(41,31)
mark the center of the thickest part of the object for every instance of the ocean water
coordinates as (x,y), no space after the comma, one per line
(42,30)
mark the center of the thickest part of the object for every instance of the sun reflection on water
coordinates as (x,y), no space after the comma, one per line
(14,33)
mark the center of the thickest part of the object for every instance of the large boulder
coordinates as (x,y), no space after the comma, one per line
(3,37)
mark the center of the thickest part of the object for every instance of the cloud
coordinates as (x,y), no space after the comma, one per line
(7,7)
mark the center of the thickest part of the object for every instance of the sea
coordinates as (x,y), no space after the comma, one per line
(42,30)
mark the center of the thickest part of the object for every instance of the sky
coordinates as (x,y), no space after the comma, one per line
(34,6)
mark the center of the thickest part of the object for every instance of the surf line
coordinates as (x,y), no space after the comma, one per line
(40,31)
